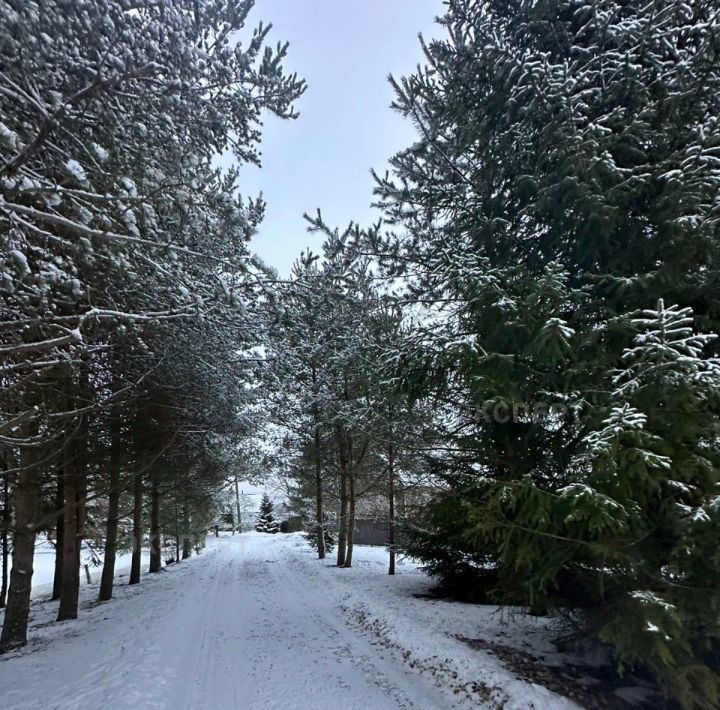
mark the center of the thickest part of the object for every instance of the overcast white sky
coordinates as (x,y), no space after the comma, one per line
(345,50)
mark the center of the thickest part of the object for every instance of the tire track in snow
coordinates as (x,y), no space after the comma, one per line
(245,626)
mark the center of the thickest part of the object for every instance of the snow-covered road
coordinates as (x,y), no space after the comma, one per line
(246,625)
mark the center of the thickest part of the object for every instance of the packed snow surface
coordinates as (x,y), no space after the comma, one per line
(256,623)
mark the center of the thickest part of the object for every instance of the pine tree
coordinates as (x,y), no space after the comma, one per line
(266,522)
(319,374)
(125,247)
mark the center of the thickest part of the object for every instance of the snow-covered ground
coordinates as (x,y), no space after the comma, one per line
(44,566)
(256,622)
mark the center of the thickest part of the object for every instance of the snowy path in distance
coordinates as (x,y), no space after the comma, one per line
(241,627)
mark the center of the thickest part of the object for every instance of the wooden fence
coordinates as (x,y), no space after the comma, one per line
(367,532)
(374,532)
(370,532)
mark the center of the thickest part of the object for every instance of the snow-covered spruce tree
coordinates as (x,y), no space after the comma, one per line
(505,400)
(654,469)
(113,218)
(564,176)
(266,522)
(640,495)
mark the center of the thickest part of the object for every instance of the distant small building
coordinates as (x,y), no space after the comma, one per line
(292,524)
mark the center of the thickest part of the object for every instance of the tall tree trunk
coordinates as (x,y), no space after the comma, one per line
(350,466)
(342,533)
(351,518)
(75,466)
(75,487)
(391,506)
(237,505)
(319,512)
(186,547)
(26,501)
(111,528)
(59,533)
(155,547)
(177,531)
(137,528)
(4,543)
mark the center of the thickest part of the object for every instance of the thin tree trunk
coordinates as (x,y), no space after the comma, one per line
(4,543)
(137,529)
(26,501)
(59,533)
(237,505)
(177,531)
(391,506)
(74,483)
(75,467)
(155,547)
(111,528)
(351,518)
(187,547)
(319,512)
(342,533)
(350,465)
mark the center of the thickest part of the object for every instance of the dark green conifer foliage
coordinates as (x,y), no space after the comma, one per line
(558,216)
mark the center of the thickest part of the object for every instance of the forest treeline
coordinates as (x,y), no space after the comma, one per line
(130,299)
(515,369)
